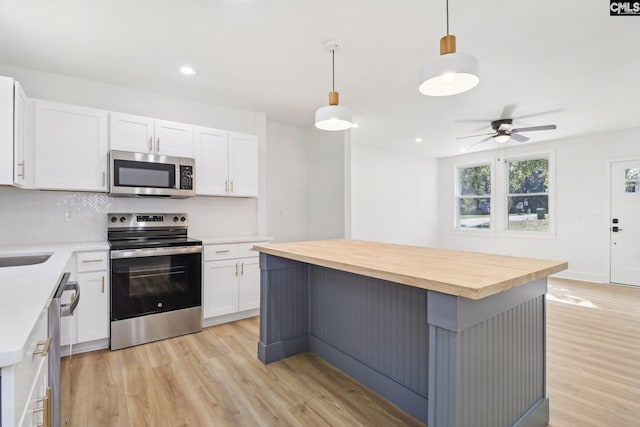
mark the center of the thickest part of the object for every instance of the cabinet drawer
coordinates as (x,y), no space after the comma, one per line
(217,252)
(245,250)
(91,261)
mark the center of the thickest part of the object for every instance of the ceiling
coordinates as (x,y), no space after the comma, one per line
(570,59)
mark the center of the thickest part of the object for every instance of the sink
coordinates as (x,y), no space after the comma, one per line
(18,260)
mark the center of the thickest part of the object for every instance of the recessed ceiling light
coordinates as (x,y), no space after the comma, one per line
(418,140)
(187,70)
(355,125)
(462,149)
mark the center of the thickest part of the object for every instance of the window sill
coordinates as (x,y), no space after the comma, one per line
(473,231)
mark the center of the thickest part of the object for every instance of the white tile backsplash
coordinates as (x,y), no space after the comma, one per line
(32,216)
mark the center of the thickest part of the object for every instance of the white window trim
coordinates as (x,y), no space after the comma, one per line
(456,217)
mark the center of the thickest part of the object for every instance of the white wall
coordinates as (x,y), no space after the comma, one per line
(581,194)
(393,196)
(306,183)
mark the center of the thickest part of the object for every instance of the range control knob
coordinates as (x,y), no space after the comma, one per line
(175,219)
(114,219)
(122,219)
(183,219)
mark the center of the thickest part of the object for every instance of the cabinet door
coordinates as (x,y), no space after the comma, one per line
(211,151)
(22,139)
(220,290)
(70,147)
(93,311)
(131,133)
(243,165)
(249,284)
(174,139)
(6,130)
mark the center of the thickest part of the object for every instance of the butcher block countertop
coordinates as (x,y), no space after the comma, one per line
(466,274)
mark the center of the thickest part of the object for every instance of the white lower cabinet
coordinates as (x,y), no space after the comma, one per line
(24,384)
(231,280)
(90,322)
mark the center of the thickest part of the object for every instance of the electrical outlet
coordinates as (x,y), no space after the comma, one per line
(69,215)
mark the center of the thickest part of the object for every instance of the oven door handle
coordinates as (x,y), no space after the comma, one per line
(139,253)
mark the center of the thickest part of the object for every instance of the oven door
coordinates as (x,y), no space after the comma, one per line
(155,280)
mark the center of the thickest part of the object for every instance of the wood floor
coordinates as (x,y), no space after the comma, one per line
(213,378)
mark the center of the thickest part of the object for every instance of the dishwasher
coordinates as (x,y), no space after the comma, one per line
(60,395)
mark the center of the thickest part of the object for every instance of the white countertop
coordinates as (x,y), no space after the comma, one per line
(232,239)
(25,291)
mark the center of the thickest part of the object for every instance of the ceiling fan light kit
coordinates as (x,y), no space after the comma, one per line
(451,73)
(333,117)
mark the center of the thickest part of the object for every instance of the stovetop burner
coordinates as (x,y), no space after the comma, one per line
(139,231)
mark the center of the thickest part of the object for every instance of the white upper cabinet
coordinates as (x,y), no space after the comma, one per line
(243,164)
(211,151)
(70,147)
(16,135)
(22,139)
(226,163)
(146,135)
(131,133)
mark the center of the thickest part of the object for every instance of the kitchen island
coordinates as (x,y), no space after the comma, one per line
(454,338)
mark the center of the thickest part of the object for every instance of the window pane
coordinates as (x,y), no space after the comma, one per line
(475,212)
(528,213)
(632,187)
(632,174)
(475,181)
(529,176)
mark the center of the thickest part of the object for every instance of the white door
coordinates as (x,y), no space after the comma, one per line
(625,222)
(220,290)
(174,139)
(211,150)
(243,165)
(249,284)
(131,133)
(70,147)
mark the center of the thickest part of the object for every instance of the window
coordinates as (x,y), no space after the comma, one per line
(632,180)
(528,195)
(474,197)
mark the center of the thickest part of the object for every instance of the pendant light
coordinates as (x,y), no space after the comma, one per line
(451,73)
(333,116)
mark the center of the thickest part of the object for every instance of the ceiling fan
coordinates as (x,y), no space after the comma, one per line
(504,131)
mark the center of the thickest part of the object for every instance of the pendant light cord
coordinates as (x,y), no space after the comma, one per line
(447,17)
(333,70)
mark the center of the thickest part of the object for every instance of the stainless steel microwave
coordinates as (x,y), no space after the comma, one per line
(142,174)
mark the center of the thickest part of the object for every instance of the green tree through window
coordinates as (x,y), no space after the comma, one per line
(528,197)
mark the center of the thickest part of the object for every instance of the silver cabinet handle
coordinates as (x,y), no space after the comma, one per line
(104,179)
(157,144)
(103,284)
(92,260)
(226,185)
(236,269)
(242,269)
(231,186)
(151,144)
(21,174)
(223,251)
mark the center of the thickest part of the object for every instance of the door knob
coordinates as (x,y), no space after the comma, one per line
(616,229)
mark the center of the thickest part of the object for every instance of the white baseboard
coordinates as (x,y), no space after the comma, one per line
(85,347)
(212,321)
(582,277)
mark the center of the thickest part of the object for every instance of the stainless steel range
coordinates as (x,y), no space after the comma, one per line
(156,278)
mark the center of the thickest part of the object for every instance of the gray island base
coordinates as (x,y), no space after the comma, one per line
(446,359)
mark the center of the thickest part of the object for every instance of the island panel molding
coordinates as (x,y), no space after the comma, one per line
(467,274)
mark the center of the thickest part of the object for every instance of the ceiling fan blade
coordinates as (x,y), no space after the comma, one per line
(541,113)
(473,136)
(507,111)
(473,121)
(532,128)
(480,142)
(519,138)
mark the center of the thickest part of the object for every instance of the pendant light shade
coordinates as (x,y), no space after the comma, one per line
(333,116)
(451,73)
